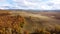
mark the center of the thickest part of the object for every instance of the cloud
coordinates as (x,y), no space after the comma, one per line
(30,4)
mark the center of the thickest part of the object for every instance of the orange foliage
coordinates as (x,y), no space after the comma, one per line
(10,23)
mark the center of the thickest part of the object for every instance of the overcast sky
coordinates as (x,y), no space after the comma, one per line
(30,4)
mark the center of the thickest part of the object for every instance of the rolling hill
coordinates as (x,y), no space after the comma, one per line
(22,22)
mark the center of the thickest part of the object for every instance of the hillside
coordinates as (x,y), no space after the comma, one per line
(36,21)
(21,22)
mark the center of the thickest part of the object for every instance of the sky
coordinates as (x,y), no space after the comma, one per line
(30,4)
